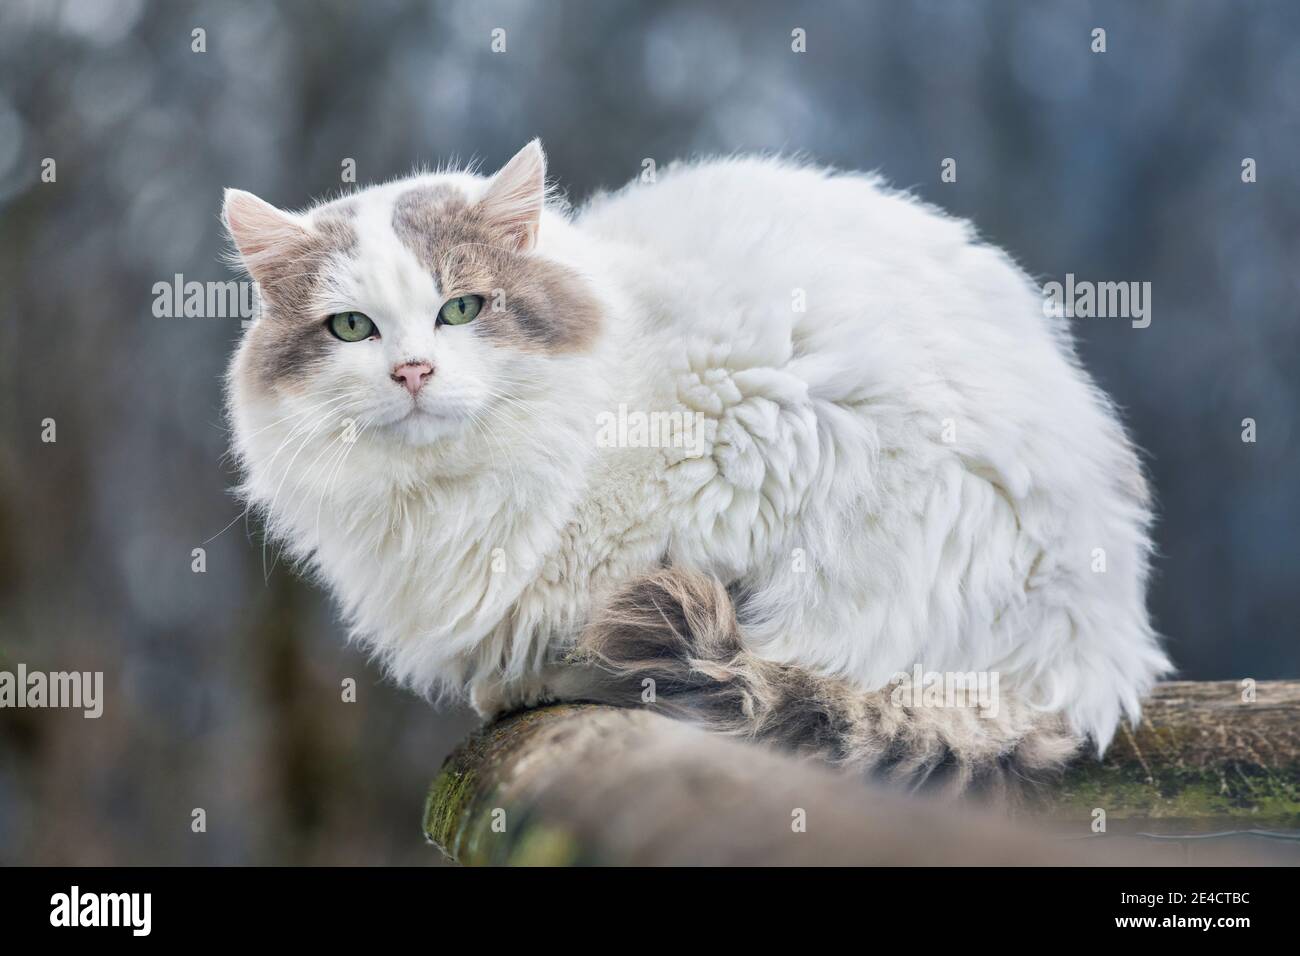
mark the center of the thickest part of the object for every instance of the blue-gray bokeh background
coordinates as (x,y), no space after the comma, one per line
(223,687)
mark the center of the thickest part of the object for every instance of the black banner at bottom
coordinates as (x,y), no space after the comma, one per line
(339,905)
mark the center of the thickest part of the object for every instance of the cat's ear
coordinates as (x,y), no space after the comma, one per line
(261,232)
(514,199)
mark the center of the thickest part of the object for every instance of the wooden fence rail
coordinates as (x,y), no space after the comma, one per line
(583,784)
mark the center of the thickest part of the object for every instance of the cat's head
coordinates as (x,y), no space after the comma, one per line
(425,315)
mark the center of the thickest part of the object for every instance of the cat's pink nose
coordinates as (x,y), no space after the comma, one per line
(412,375)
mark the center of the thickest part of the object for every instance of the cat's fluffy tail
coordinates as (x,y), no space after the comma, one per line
(678,628)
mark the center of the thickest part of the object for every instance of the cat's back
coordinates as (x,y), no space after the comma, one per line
(758,232)
(745,206)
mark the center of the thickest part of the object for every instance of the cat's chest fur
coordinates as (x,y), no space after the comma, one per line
(709,469)
(705,461)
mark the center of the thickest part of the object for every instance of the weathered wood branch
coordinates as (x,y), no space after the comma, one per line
(1201,750)
(573,784)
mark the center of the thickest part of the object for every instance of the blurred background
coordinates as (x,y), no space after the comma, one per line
(223,688)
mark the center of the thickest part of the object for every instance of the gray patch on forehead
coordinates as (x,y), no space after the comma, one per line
(545,307)
(433,220)
(290,339)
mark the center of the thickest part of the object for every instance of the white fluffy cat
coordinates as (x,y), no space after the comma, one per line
(878,449)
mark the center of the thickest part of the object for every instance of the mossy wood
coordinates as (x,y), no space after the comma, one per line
(580,784)
(1203,749)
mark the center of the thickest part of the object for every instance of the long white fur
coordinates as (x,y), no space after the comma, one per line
(465,552)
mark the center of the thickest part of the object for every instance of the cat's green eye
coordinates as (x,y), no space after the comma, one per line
(460,310)
(351,326)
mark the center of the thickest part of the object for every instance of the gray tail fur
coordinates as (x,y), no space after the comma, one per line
(678,629)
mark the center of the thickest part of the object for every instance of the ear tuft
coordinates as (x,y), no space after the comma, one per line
(514,199)
(260,231)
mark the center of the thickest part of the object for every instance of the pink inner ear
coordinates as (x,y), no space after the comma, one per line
(514,199)
(258,228)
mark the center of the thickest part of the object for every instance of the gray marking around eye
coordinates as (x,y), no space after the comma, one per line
(547,307)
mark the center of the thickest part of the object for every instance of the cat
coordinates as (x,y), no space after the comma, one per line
(876,451)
